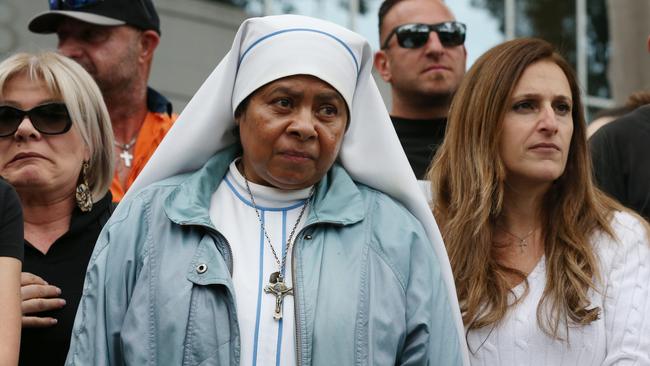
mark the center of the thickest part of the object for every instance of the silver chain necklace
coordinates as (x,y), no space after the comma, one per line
(523,240)
(276,285)
(126,155)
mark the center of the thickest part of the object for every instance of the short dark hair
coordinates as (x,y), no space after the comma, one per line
(384,8)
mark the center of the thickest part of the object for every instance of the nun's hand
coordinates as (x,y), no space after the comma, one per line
(37,296)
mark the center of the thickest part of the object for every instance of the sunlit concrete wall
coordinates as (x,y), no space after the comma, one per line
(195,36)
(629,28)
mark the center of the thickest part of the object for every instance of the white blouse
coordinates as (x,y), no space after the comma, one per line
(264,340)
(621,335)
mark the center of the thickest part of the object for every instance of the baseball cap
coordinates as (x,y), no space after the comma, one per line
(140,14)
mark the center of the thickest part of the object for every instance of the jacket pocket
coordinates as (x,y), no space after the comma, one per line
(210,339)
(212,335)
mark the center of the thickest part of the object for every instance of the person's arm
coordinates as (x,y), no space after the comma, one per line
(626,309)
(10,313)
(431,337)
(110,278)
(11,254)
(608,168)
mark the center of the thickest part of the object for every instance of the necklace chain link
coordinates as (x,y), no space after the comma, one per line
(523,242)
(281,264)
(126,147)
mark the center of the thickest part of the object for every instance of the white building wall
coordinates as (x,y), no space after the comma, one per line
(195,36)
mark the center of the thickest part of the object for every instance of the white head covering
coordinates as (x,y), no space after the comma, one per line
(269,48)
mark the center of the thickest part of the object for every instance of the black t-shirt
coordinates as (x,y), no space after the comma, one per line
(63,266)
(621,157)
(420,139)
(11,222)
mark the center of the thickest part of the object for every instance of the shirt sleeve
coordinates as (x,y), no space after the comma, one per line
(627,296)
(110,278)
(609,170)
(431,335)
(11,223)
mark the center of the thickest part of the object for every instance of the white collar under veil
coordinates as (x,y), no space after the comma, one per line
(269,48)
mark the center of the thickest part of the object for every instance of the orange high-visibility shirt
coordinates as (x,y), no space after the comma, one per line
(151,133)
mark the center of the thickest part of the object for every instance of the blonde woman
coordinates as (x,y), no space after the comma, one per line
(548,270)
(56,151)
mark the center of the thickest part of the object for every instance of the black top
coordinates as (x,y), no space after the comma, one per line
(63,266)
(420,139)
(11,222)
(621,156)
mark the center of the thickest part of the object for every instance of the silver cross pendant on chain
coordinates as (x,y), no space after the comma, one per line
(127,157)
(279,289)
(276,285)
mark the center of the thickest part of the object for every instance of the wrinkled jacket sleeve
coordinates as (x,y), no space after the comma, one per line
(110,279)
(431,337)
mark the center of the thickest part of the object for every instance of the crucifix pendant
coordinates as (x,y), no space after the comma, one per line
(522,244)
(127,157)
(279,289)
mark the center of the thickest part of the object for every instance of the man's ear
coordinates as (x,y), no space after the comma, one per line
(149,40)
(382,64)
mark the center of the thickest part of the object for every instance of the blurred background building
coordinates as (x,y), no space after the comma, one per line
(605,40)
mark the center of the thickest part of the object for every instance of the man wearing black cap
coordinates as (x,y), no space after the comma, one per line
(114,40)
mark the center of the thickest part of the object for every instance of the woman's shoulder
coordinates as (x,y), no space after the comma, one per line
(380,203)
(631,241)
(629,228)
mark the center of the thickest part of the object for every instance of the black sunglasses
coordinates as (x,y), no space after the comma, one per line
(71,4)
(416,35)
(48,119)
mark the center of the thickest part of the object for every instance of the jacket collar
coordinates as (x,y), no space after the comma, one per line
(337,199)
(157,103)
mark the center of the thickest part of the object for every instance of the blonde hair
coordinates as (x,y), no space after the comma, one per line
(468,179)
(68,80)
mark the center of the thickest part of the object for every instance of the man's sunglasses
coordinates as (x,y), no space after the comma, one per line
(48,119)
(71,4)
(416,35)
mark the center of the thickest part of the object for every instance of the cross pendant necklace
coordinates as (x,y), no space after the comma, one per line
(276,285)
(523,240)
(126,155)
(279,289)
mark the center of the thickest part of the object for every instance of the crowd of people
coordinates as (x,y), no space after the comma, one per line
(287,217)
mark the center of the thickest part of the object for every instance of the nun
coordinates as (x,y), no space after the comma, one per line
(278,223)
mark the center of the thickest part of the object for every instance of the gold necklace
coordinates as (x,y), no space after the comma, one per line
(523,240)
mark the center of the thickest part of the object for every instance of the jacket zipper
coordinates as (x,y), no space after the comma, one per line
(296,328)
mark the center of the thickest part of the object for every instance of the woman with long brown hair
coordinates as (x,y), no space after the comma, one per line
(548,269)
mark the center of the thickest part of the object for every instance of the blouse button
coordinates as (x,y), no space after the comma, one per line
(201,268)
(307,237)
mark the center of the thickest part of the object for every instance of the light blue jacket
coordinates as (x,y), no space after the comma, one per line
(367,286)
